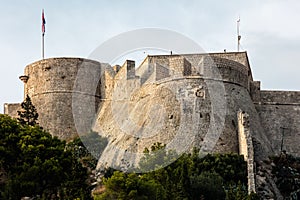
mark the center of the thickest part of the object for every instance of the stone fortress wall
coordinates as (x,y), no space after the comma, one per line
(279,112)
(168,80)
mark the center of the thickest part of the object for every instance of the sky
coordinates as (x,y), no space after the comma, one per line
(270,33)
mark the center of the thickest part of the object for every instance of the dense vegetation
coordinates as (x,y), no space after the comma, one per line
(190,177)
(35,164)
(287,173)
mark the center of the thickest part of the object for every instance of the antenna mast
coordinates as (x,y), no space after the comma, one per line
(238,34)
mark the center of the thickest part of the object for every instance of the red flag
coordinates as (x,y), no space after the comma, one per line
(43,23)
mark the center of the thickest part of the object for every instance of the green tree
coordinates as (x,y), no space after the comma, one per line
(38,165)
(239,191)
(28,114)
(156,157)
(207,184)
(131,186)
(189,177)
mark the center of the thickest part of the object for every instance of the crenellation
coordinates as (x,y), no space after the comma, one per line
(117,68)
(146,71)
(179,66)
(161,72)
(130,69)
(255,91)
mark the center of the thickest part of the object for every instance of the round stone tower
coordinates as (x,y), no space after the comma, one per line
(53,85)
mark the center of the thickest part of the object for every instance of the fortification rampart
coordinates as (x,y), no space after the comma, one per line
(230,71)
(280,97)
(174,73)
(279,112)
(205,65)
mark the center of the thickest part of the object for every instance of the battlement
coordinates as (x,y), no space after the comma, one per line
(179,66)
(228,67)
(129,65)
(240,57)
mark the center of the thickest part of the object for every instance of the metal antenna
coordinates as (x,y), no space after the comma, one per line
(238,34)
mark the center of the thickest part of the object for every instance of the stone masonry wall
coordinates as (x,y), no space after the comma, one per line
(55,91)
(11,109)
(179,66)
(178,107)
(161,72)
(279,113)
(211,66)
(130,69)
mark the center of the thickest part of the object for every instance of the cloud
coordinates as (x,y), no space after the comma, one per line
(278,18)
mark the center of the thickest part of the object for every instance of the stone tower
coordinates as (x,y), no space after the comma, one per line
(51,84)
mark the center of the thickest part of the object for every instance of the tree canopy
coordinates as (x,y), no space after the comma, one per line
(217,176)
(35,164)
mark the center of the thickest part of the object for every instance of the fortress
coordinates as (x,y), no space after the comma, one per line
(205,100)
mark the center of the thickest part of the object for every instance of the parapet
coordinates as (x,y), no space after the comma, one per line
(280,97)
(240,57)
(130,69)
(179,66)
(255,91)
(228,67)
(116,68)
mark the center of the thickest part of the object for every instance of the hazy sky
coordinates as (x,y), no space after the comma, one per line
(270,33)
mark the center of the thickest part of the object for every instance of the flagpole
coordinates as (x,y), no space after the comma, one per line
(238,34)
(43,34)
(43,50)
